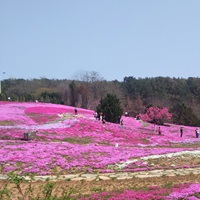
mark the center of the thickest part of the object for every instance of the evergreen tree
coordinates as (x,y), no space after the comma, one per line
(110,107)
(184,115)
(73,91)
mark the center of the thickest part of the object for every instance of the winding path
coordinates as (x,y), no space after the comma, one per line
(119,176)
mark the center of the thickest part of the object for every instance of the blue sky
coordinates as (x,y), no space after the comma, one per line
(139,38)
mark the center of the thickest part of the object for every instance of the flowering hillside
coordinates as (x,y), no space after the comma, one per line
(68,143)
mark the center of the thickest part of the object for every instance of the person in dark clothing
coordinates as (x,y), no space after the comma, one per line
(138,116)
(122,123)
(159,130)
(197,132)
(75,111)
(119,119)
(181,131)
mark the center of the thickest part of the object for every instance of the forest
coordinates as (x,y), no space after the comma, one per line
(181,96)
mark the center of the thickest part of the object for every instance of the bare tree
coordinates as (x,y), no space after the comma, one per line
(88,76)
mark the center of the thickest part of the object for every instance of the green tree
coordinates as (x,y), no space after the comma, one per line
(73,91)
(184,115)
(110,107)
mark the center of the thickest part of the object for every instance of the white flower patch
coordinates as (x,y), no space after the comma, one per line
(124,164)
(54,125)
(195,153)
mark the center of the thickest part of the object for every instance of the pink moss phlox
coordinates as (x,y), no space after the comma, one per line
(79,141)
(185,191)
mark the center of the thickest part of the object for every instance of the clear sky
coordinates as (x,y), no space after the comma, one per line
(116,38)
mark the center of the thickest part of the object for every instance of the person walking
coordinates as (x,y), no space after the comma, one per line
(159,130)
(197,132)
(75,111)
(181,131)
(122,123)
(154,129)
(101,116)
(119,119)
(95,115)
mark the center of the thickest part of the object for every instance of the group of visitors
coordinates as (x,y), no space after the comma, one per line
(196,132)
(100,116)
(158,130)
(181,131)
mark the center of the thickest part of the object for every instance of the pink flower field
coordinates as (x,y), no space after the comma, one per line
(66,143)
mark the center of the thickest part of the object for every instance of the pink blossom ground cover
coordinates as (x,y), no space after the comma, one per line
(69,143)
(67,140)
(181,192)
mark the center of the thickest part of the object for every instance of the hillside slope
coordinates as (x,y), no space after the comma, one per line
(67,143)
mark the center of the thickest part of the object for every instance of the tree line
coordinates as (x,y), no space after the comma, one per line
(181,96)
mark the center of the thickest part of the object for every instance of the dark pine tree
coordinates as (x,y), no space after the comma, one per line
(184,115)
(110,107)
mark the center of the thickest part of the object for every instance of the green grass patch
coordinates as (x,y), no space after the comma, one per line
(144,140)
(43,118)
(168,185)
(78,140)
(67,116)
(7,123)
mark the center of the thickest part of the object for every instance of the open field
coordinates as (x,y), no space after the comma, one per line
(85,159)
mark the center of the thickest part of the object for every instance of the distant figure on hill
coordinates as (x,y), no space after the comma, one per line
(119,119)
(95,115)
(197,132)
(104,119)
(138,116)
(75,111)
(126,114)
(100,116)
(154,129)
(159,130)
(122,123)
(181,131)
